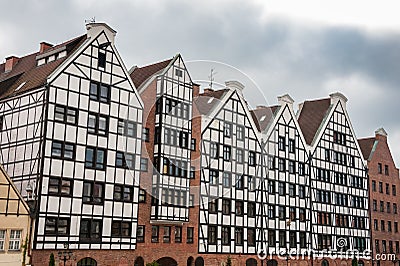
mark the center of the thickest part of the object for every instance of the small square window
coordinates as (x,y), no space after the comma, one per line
(178,73)
(144,164)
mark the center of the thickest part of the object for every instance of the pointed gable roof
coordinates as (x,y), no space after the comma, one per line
(140,74)
(311,116)
(366,146)
(263,115)
(27,73)
(208,100)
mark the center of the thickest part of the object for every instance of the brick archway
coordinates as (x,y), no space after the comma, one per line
(167,261)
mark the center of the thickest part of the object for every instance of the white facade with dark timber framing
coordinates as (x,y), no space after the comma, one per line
(230,209)
(339,196)
(76,139)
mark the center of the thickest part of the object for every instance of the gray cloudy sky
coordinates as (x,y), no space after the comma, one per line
(306,48)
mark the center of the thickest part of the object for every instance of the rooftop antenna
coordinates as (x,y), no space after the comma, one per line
(89,21)
(211,77)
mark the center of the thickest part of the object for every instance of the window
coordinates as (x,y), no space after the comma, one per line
(140,234)
(271,238)
(226,179)
(323,196)
(193,144)
(341,179)
(120,229)
(239,236)
(93,192)
(227,153)
(239,182)
(178,72)
(63,150)
(271,186)
(143,164)
(251,183)
(251,209)
(271,211)
(240,132)
(292,167)
(239,208)
(382,225)
(281,188)
(323,175)
(292,213)
(374,185)
(128,128)
(90,230)
(377,246)
(192,173)
(146,134)
(386,170)
(178,234)
(302,215)
(376,226)
(384,246)
(394,208)
(374,205)
(213,177)
(303,242)
(124,160)
(387,188)
(292,190)
(227,130)
(226,236)
(281,165)
(271,162)
(341,199)
(389,226)
(394,190)
(324,218)
(123,193)
(212,234)
(252,158)
(397,247)
(15,240)
(239,155)
(281,143)
(226,206)
(101,60)
(379,168)
(60,187)
(282,239)
(342,220)
(213,205)
(302,191)
(2,239)
(183,139)
(97,124)
(142,195)
(381,206)
(380,187)
(292,239)
(95,158)
(214,150)
(154,233)
(57,226)
(324,241)
(99,92)
(388,207)
(251,237)
(282,212)
(1,122)
(167,234)
(339,138)
(189,235)
(327,155)
(67,115)
(302,169)
(292,145)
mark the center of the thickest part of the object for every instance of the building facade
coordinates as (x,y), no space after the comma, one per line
(384,184)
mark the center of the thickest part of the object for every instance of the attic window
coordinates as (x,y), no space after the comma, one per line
(263,118)
(178,72)
(102,60)
(20,86)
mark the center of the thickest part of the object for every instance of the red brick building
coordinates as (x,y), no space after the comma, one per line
(384,201)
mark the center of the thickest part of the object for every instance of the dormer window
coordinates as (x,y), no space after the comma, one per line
(101,60)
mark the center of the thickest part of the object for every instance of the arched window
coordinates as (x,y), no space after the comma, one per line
(139,261)
(324,263)
(167,261)
(190,261)
(272,263)
(199,261)
(251,262)
(87,262)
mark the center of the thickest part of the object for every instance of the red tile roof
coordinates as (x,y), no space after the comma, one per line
(141,74)
(366,145)
(208,100)
(26,70)
(311,116)
(263,115)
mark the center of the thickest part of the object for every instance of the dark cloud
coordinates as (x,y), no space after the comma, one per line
(282,56)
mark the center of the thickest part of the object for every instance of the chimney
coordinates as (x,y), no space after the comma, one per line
(234,84)
(11,61)
(44,46)
(381,133)
(286,99)
(336,97)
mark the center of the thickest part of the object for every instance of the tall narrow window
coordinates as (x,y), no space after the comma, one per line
(292,145)
(101,60)
(146,134)
(154,233)
(227,130)
(252,158)
(2,239)
(212,234)
(251,237)
(189,235)
(140,234)
(227,153)
(281,143)
(239,236)
(214,150)
(167,234)
(178,234)
(240,132)
(226,236)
